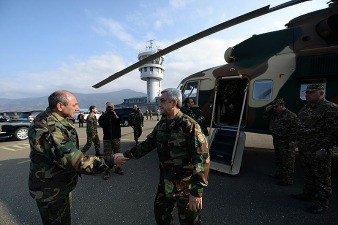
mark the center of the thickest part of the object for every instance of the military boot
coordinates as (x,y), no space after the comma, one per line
(119,171)
(106,175)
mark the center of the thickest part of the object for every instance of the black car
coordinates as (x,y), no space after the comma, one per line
(30,115)
(17,128)
(124,114)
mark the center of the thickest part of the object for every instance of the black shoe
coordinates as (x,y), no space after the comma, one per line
(283,183)
(106,175)
(98,154)
(301,197)
(316,209)
(119,171)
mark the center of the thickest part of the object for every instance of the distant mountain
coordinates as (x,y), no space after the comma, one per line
(85,100)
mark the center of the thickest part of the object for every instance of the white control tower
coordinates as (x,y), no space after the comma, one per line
(152,72)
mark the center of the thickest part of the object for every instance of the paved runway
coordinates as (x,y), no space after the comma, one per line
(249,198)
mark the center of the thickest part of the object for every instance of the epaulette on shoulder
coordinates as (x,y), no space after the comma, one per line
(50,124)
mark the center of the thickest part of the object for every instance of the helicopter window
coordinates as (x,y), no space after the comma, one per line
(304,85)
(262,89)
(145,69)
(190,90)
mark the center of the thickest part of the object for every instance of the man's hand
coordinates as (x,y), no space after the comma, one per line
(195,203)
(119,159)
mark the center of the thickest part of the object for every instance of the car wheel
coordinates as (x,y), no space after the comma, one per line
(126,123)
(21,133)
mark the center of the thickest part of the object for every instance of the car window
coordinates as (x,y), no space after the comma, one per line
(25,115)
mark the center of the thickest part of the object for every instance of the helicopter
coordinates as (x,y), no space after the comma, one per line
(260,69)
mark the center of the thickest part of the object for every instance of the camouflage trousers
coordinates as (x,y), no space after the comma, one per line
(137,132)
(92,139)
(110,146)
(163,207)
(285,160)
(317,176)
(56,212)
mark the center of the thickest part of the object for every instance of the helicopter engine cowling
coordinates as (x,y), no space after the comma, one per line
(328,28)
(228,55)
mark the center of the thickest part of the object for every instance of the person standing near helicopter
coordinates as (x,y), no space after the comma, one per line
(283,126)
(317,133)
(194,112)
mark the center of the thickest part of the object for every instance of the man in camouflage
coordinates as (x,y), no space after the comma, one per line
(135,121)
(283,126)
(194,112)
(91,130)
(184,161)
(56,160)
(317,131)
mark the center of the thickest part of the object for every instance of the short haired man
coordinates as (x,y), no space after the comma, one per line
(91,130)
(184,161)
(317,132)
(56,160)
(135,121)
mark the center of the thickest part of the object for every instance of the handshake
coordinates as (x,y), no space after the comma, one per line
(119,159)
(108,162)
(95,164)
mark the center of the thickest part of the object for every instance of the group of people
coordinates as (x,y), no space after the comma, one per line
(149,114)
(314,132)
(57,161)
(6,117)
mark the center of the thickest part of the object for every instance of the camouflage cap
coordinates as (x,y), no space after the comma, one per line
(278,101)
(315,87)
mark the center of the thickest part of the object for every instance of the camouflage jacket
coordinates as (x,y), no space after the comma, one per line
(56,160)
(194,112)
(283,124)
(91,125)
(183,154)
(135,118)
(318,124)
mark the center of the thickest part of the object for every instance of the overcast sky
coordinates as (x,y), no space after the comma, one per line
(72,45)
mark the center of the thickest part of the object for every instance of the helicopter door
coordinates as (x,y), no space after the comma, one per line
(227,140)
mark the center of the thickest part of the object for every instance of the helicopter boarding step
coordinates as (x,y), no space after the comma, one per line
(225,157)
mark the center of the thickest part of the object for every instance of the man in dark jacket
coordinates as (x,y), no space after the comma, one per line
(110,123)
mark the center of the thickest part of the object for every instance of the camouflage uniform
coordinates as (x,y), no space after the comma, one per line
(55,165)
(196,114)
(317,129)
(92,135)
(158,114)
(184,166)
(283,126)
(135,120)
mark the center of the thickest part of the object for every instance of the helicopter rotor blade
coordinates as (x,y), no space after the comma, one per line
(232,22)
